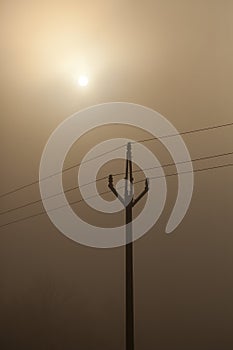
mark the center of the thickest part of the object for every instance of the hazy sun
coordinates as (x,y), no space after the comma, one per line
(83,80)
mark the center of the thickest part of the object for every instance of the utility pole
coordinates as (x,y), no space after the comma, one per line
(129,202)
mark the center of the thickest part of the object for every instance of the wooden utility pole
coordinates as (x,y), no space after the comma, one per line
(129,202)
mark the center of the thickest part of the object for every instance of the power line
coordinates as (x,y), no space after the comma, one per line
(57,173)
(187,172)
(187,132)
(105,192)
(112,150)
(44,212)
(181,162)
(116,174)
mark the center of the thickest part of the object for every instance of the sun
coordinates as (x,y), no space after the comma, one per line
(83,80)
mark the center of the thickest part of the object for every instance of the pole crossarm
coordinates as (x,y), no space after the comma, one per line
(114,191)
(142,194)
(121,199)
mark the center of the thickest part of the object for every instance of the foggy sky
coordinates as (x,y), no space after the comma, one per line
(175,57)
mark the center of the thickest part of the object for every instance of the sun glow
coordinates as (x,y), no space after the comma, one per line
(83,80)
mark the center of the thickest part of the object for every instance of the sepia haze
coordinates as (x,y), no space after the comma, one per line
(175,57)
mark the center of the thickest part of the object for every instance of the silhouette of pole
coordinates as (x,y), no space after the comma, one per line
(129,202)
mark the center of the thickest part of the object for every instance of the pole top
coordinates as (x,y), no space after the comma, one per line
(110,179)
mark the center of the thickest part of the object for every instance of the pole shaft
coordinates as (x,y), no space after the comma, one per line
(129,283)
(129,280)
